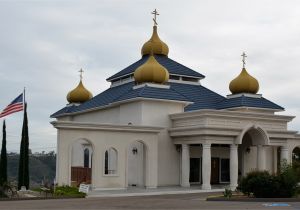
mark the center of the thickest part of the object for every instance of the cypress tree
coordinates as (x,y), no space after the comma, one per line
(23,178)
(3,158)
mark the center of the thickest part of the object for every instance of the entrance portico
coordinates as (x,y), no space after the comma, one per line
(246,145)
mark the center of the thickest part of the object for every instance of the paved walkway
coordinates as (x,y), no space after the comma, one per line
(135,191)
(157,202)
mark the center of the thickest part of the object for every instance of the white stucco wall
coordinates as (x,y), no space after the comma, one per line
(101,141)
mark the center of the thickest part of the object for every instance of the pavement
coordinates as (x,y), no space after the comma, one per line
(153,202)
(136,191)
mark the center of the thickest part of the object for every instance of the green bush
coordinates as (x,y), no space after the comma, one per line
(227,193)
(261,184)
(68,191)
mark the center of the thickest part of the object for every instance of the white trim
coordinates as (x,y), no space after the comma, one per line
(151,85)
(106,127)
(184,82)
(121,82)
(121,102)
(244,94)
(248,108)
(180,75)
(230,114)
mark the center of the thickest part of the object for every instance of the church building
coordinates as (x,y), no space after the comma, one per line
(157,125)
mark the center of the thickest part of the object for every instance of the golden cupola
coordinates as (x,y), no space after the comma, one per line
(151,71)
(154,44)
(244,82)
(80,94)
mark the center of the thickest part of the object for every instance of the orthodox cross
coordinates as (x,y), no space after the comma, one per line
(244,59)
(155,13)
(80,71)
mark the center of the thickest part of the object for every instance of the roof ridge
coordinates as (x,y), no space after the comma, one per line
(179,93)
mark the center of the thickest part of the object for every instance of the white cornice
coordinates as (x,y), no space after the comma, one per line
(151,85)
(122,102)
(250,95)
(105,127)
(231,114)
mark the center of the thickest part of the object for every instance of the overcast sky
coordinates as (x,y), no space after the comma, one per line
(43,44)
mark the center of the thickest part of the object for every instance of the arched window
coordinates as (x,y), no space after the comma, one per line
(86,158)
(110,162)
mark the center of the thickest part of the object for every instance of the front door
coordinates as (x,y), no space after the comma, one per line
(194,170)
(215,171)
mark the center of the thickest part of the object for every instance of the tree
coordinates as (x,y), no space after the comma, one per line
(3,158)
(23,178)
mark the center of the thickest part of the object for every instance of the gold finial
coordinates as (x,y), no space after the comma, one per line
(155,13)
(244,59)
(80,71)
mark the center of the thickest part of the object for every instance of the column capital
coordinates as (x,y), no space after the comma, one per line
(184,146)
(233,146)
(284,148)
(206,145)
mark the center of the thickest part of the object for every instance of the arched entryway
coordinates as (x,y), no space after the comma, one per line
(251,150)
(137,153)
(81,162)
(296,156)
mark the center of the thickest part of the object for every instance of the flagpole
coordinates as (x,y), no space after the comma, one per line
(24,101)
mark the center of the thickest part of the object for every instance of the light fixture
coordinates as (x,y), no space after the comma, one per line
(248,149)
(134,150)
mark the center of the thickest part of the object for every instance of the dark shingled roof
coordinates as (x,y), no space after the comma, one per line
(244,101)
(201,98)
(172,66)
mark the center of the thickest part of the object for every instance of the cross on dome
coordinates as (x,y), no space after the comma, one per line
(244,59)
(155,13)
(81,72)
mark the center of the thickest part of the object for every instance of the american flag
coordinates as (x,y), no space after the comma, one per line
(15,106)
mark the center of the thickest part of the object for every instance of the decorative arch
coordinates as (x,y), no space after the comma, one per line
(255,128)
(296,154)
(110,161)
(79,171)
(137,167)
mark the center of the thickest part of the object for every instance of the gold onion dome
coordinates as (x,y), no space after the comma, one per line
(151,71)
(244,83)
(80,94)
(155,45)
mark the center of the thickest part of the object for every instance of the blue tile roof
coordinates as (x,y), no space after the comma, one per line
(121,93)
(244,101)
(172,66)
(201,98)
(153,93)
(65,110)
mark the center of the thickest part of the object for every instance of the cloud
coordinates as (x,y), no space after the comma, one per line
(45,43)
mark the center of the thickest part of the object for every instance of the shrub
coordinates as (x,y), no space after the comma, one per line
(261,184)
(68,191)
(227,193)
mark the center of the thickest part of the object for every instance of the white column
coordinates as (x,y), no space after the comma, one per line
(284,155)
(206,166)
(185,165)
(261,158)
(233,166)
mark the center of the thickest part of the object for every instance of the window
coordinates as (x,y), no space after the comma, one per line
(86,158)
(190,79)
(110,162)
